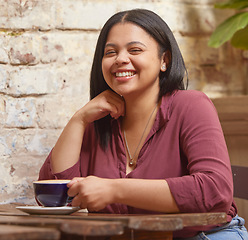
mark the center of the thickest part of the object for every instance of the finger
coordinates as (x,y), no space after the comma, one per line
(74,180)
(74,189)
(118,106)
(83,205)
(112,109)
(113,103)
(78,202)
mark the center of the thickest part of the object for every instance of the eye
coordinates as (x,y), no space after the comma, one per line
(109,52)
(135,50)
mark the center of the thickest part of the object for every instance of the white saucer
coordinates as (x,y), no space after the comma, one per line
(48,210)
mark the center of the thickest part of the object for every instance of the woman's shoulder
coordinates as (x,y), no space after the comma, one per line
(189,97)
(183,100)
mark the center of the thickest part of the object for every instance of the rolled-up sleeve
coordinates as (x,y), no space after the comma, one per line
(46,171)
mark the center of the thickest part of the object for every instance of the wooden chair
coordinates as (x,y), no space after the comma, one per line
(240,180)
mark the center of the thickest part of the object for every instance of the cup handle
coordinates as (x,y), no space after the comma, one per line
(69,200)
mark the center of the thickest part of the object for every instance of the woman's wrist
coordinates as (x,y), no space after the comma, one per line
(80,118)
(116,190)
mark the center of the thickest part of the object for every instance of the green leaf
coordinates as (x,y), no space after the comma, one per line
(226,30)
(235,4)
(240,39)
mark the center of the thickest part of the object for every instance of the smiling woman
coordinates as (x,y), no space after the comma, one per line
(143,143)
(124,54)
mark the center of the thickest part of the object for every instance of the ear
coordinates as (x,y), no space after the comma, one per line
(165,60)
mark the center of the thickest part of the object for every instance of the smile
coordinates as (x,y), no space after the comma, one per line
(124,74)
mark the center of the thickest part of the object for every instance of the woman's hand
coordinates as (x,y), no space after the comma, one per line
(92,192)
(96,193)
(67,149)
(107,102)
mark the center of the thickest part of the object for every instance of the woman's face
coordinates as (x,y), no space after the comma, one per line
(131,63)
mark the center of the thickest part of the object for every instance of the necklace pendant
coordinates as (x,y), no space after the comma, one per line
(131,163)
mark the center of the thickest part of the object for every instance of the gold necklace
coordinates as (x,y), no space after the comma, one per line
(131,159)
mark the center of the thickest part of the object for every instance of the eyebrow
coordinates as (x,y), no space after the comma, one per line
(128,44)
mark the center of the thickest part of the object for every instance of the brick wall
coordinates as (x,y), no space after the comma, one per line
(46,50)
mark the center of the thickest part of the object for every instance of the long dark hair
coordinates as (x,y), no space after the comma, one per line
(170,80)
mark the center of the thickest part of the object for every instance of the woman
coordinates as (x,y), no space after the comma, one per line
(143,144)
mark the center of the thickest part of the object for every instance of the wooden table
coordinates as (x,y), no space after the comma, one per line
(16,225)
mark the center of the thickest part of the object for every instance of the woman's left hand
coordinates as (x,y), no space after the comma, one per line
(91,192)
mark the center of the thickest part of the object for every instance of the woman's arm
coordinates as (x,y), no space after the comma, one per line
(96,193)
(67,149)
(146,194)
(209,186)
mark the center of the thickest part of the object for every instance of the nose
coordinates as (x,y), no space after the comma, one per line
(122,58)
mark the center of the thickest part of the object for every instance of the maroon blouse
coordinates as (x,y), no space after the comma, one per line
(185,146)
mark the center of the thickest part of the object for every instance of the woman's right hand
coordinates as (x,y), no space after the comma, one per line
(107,102)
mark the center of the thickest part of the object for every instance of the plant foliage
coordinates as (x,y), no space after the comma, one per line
(235,28)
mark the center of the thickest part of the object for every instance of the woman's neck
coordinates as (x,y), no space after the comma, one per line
(137,113)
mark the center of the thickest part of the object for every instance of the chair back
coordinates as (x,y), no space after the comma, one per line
(240,181)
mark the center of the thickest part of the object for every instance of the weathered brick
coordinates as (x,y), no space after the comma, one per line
(27,14)
(9,138)
(196,51)
(4,149)
(55,113)
(73,80)
(31,48)
(66,47)
(245,54)
(83,14)
(27,142)
(220,78)
(4,77)
(191,19)
(197,2)
(4,10)
(14,186)
(20,112)
(4,58)
(2,112)
(2,105)
(32,81)
(24,49)
(39,142)
(216,80)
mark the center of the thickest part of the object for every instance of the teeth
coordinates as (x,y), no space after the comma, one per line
(124,74)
